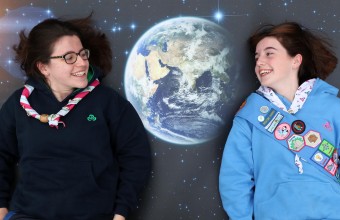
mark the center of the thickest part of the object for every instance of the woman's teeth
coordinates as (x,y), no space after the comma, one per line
(78,74)
(264,72)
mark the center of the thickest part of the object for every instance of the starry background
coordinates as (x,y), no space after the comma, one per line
(184,179)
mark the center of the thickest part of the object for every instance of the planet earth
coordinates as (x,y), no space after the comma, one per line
(178,78)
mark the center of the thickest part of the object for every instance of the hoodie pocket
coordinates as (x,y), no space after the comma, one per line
(52,185)
(58,174)
(299,200)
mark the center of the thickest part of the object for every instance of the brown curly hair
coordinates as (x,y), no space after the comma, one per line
(318,59)
(38,45)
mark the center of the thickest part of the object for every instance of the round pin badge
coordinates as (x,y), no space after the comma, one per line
(264,109)
(282,131)
(260,118)
(298,127)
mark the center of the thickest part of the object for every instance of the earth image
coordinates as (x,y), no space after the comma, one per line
(178,78)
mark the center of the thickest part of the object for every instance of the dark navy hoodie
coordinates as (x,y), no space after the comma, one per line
(91,169)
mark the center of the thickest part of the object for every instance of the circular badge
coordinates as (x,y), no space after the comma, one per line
(282,131)
(298,127)
(260,118)
(264,109)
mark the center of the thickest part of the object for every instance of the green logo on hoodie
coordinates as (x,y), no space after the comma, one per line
(91,118)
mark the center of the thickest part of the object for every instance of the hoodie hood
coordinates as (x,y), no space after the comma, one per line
(321,86)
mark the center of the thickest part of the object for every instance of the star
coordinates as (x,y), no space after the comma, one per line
(218,16)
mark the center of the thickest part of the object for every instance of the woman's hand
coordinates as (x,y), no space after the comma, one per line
(118,217)
(3,213)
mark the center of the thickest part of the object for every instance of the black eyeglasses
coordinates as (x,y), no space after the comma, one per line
(71,57)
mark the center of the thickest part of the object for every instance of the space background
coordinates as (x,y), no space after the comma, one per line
(184,178)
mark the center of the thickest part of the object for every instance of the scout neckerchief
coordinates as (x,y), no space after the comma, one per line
(299,98)
(53,119)
(301,139)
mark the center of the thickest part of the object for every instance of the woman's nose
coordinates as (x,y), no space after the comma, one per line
(80,61)
(259,62)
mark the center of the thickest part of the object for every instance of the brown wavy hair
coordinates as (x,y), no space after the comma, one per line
(38,45)
(318,59)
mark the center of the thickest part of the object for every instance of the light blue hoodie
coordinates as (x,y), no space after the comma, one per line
(252,160)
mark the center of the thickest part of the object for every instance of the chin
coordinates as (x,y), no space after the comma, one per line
(81,85)
(265,82)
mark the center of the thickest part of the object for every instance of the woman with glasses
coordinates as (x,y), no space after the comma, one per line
(281,158)
(80,149)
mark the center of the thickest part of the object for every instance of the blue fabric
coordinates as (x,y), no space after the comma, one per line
(9,215)
(248,113)
(259,178)
(15,216)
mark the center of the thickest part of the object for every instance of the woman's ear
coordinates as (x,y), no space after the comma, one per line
(42,68)
(297,60)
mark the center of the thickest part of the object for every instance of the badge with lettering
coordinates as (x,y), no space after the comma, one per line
(276,120)
(320,158)
(298,127)
(295,142)
(271,120)
(269,117)
(282,131)
(312,138)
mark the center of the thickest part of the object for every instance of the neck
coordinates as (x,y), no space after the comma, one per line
(288,91)
(61,95)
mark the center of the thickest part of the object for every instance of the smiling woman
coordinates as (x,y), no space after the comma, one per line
(280,159)
(69,135)
(275,68)
(62,78)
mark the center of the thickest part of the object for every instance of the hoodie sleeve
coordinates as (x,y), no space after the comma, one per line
(134,159)
(8,150)
(236,180)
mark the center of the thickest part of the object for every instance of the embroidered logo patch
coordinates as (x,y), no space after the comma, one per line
(295,142)
(320,158)
(326,147)
(331,167)
(312,138)
(91,118)
(298,127)
(328,126)
(282,131)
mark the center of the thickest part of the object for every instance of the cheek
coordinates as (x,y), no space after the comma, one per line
(61,70)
